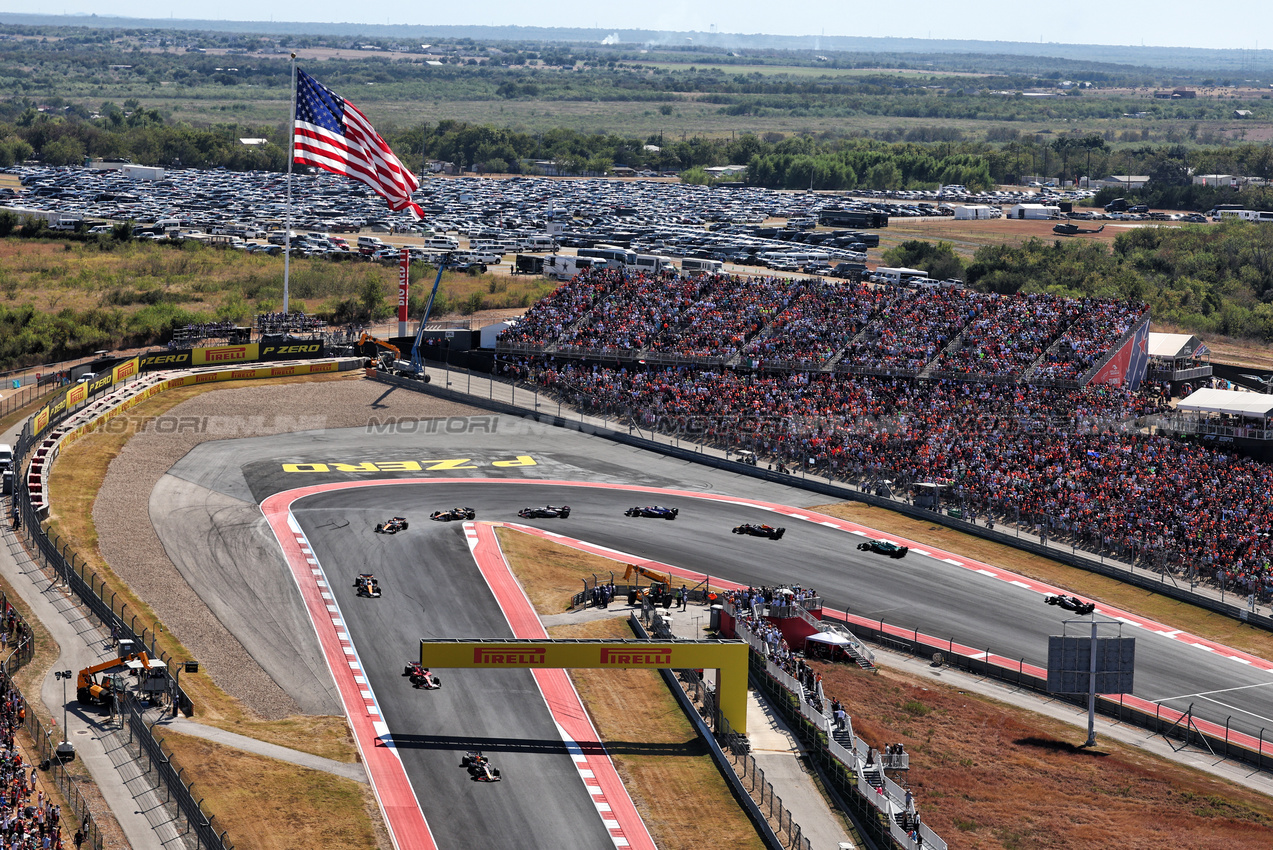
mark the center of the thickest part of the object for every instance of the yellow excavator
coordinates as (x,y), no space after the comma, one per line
(92,690)
(659,583)
(385,360)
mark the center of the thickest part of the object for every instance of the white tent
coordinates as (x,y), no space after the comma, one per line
(1173,346)
(1232,402)
(830,638)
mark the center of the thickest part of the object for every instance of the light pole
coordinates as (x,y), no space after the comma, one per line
(65,750)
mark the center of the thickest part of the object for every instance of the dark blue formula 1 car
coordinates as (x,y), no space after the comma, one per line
(546,512)
(760,531)
(653,511)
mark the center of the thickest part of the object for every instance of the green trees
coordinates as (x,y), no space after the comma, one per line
(1214,279)
(938,259)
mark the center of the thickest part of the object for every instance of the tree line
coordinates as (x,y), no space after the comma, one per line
(1208,279)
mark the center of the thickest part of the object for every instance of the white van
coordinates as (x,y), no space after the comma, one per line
(694,265)
(435,243)
(565,267)
(898,276)
(652,263)
(6,455)
(372,243)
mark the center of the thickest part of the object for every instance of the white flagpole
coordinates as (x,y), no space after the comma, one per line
(287,222)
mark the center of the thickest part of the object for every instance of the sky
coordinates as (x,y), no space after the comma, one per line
(1161,23)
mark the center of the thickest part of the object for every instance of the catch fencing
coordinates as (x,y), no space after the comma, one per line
(54,555)
(142,736)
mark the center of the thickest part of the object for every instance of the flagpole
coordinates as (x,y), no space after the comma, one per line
(287,216)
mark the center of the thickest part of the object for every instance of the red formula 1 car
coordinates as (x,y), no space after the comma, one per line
(479,767)
(421,677)
(760,531)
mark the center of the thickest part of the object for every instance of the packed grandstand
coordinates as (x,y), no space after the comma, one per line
(988,397)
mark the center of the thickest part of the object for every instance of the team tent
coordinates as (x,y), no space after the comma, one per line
(1230,402)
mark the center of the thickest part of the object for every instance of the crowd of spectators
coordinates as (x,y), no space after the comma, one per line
(729,311)
(635,314)
(805,323)
(550,318)
(28,820)
(1061,459)
(1010,335)
(822,318)
(913,328)
(1065,462)
(1095,331)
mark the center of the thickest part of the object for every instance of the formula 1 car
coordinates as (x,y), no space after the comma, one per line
(367,585)
(421,677)
(392,526)
(454,513)
(479,767)
(884,547)
(653,511)
(1072,603)
(760,531)
(546,512)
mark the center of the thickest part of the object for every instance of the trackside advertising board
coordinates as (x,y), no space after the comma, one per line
(77,394)
(192,380)
(181,358)
(728,657)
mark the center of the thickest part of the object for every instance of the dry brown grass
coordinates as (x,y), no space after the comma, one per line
(1180,615)
(52,275)
(272,805)
(988,775)
(73,486)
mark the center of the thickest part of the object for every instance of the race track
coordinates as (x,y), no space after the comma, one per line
(432,589)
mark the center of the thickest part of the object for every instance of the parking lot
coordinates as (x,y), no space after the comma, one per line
(485,220)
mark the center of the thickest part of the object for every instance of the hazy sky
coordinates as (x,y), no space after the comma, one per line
(1170,23)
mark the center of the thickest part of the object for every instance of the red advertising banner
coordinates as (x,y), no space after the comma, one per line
(403,285)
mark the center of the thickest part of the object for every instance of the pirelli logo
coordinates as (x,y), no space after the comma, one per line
(224,355)
(205,378)
(283,370)
(511,657)
(243,373)
(652,657)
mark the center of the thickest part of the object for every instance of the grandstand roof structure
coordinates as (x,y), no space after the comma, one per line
(1232,402)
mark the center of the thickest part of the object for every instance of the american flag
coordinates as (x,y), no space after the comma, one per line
(332,134)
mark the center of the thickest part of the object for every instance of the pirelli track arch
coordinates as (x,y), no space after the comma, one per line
(728,658)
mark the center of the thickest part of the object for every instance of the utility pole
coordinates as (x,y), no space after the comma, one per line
(65,750)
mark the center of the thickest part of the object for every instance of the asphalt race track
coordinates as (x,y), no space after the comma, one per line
(432,589)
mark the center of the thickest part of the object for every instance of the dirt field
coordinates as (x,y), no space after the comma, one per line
(968,236)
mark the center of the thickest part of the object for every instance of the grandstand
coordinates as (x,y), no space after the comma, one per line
(1027,407)
(772,323)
